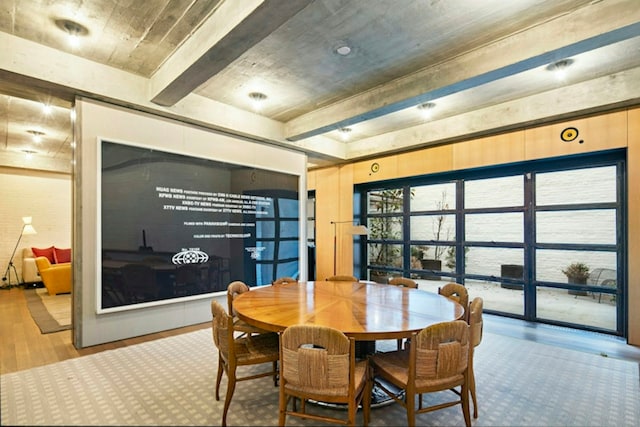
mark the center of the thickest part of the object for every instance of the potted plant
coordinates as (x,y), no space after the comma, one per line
(577,273)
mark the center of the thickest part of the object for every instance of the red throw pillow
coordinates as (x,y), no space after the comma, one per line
(62,255)
(46,252)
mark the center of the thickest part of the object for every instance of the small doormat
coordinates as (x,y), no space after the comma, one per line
(52,313)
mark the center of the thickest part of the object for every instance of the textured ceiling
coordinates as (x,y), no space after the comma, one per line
(199,60)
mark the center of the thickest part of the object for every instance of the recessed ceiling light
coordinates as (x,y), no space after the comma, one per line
(344,132)
(36,134)
(73,29)
(29,153)
(47,109)
(426,108)
(257,99)
(343,50)
(559,68)
(257,96)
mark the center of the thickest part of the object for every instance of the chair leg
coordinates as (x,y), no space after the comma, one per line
(275,374)
(410,400)
(231,387)
(464,396)
(282,406)
(219,377)
(472,390)
(352,409)
(366,399)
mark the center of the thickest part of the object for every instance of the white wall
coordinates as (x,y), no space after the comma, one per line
(96,120)
(44,196)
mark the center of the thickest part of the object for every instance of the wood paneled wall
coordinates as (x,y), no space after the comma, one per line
(620,129)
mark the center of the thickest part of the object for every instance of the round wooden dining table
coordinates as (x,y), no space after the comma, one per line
(365,311)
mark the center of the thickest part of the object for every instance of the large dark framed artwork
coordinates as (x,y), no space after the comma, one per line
(177,227)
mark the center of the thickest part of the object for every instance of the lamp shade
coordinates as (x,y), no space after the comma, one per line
(28,229)
(360,230)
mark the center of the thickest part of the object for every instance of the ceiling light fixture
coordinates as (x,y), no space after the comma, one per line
(427,108)
(29,153)
(257,99)
(47,109)
(74,31)
(559,68)
(36,134)
(344,133)
(343,50)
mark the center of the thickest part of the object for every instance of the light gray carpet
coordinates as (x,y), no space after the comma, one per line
(52,313)
(171,381)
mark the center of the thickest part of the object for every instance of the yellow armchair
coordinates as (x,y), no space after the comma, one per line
(56,277)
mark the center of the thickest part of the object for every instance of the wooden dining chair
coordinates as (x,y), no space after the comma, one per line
(284,281)
(342,278)
(437,360)
(319,363)
(475,330)
(233,290)
(243,351)
(458,293)
(404,282)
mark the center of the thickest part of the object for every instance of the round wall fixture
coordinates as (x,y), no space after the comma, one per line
(569,134)
(375,167)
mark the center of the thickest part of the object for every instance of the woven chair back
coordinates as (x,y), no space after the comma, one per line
(284,280)
(442,350)
(404,281)
(475,321)
(233,290)
(316,359)
(220,328)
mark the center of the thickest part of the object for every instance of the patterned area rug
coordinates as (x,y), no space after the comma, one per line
(171,382)
(52,313)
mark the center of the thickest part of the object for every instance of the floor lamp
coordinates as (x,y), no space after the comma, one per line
(356,230)
(27,229)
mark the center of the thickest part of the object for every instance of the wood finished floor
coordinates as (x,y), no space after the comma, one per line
(22,346)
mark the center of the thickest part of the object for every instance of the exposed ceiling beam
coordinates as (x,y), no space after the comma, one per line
(595,26)
(231,31)
(613,91)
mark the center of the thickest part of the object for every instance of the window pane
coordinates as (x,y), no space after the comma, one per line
(594,185)
(589,226)
(288,228)
(433,227)
(384,254)
(593,309)
(265,229)
(550,263)
(288,208)
(495,297)
(385,228)
(268,253)
(288,249)
(311,230)
(288,269)
(385,201)
(488,261)
(484,227)
(433,257)
(264,274)
(433,197)
(494,192)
